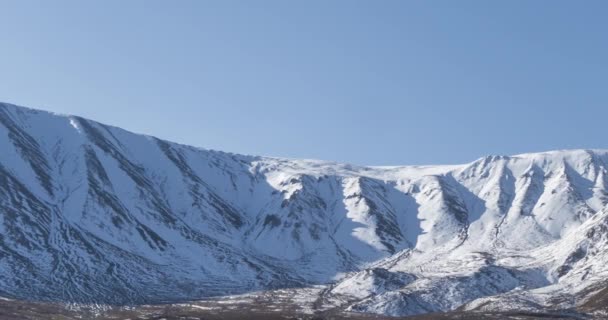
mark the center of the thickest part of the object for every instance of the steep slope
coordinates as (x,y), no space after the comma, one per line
(533,241)
(93,213)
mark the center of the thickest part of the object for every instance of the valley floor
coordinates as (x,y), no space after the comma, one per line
(232,308)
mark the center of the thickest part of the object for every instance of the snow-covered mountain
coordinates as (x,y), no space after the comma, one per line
(93,213)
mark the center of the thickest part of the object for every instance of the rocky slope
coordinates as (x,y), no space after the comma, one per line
(91,213)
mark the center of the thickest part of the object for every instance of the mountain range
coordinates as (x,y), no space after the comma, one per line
(94,214)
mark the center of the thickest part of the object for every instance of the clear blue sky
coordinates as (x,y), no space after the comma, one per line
(366,82)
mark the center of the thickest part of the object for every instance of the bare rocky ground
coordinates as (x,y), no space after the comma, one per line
(229,309)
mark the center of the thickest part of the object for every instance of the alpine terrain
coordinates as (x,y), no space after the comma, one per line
(93,215)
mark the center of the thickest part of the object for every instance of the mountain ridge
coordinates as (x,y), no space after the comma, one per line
(96,214)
